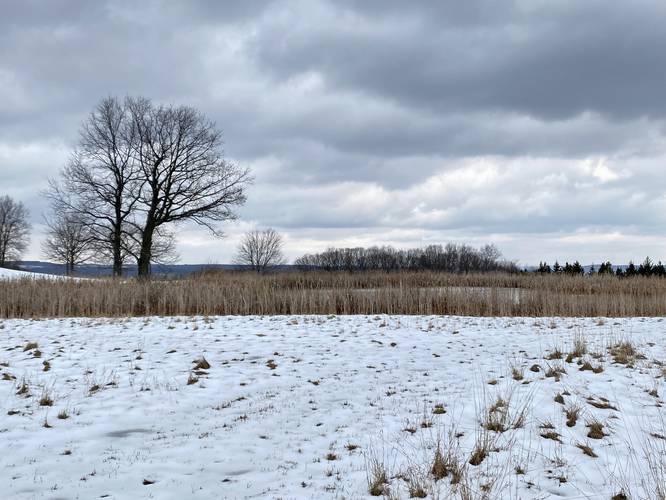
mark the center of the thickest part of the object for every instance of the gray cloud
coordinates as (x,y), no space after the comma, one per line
(386,121)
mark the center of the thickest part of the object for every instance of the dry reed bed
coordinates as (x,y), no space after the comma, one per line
(337,293)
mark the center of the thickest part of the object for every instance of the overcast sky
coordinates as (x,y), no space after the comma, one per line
(538,125)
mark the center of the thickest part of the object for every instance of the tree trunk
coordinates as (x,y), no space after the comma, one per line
(145,256)
(117,252)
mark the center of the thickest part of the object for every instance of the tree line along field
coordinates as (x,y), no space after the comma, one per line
(413,293)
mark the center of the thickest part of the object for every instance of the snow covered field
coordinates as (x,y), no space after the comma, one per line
(8,274)
(322,407)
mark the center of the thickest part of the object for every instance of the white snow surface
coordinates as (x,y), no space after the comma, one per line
(284,397)
(14,274)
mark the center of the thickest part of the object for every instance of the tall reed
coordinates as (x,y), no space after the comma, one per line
(234,293)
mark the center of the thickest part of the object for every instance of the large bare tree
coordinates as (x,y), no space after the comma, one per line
(260,250)
(69,241)
(99,187)
(183,174)
(14,229)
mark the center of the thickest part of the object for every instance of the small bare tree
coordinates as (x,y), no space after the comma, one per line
(261,250)
(69,241)
(14,229)
(99,185)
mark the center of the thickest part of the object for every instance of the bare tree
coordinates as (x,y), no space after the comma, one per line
(69,241)
(260,250)
(183,175)
(14,229)
(100,184)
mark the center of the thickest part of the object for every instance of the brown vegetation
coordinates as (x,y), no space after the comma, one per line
(238,293)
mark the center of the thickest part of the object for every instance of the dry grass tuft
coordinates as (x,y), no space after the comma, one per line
(586,449)
(30,346)
(201,364)
(595,429)
(445,465)
(481,451)
(378,479)
(555,371)
(439,409)
(555,436)
(554,354)
(46,399)
(572,413)
(579,348)
(23,389)
(517,373)
(625,353)
(587,366)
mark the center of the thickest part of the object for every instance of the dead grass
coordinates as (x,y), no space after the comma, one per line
(46,399)
(579,347)
(555,371)
(446,464)
(572,413)
(378,479)
(30,346)
(517,373)
(237,293)
(481,450)
(625,353)
(586,449)
(201,364)
(595,429)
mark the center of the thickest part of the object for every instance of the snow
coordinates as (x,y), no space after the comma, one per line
(284,397)
(14,274)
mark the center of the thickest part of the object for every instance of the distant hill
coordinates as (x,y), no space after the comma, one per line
(91,270)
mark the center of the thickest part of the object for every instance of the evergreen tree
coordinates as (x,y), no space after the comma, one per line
(645,269)
(631,270)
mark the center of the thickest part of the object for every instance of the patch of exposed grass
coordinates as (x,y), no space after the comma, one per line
(595,429)
(201,364)
(625,353)
(439,409)
(378,479)
(30,346)
(572,413)
(554,354)
(46,399)
(555,371)
(586,449)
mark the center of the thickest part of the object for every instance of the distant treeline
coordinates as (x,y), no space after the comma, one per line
(454,258)
(647,268)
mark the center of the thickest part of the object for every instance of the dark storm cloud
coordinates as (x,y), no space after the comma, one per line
(411,120)
(546,59)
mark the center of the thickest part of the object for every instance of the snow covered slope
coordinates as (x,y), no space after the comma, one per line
(12,274)
(318,407)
